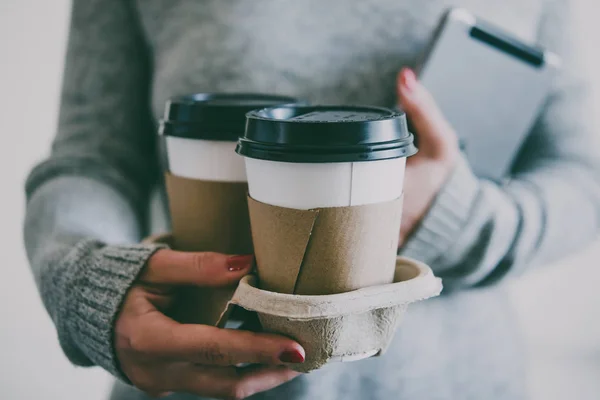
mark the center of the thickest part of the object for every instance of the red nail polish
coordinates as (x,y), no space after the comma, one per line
(291,356)
(238,263)
(409,79)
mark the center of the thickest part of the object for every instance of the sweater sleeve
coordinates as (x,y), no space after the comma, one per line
(477,232)
(86,202)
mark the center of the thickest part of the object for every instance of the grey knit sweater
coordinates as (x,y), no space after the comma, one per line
(87,203)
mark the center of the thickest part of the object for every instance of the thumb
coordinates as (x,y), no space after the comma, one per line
(435,134)
(200,269)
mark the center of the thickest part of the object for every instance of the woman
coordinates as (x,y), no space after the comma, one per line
(87,202)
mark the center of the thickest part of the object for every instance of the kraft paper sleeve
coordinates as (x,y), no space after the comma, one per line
(325,250)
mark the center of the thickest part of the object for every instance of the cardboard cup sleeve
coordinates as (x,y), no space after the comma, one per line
(325,250)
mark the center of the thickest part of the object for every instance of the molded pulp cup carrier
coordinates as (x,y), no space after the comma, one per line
(340,327)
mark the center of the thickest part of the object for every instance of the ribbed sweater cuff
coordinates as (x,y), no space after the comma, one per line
(447,216)
(103,276)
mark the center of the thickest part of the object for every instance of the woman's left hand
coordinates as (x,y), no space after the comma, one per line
(428,170)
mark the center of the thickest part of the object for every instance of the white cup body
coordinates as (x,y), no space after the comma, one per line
(303,186)
(209,160)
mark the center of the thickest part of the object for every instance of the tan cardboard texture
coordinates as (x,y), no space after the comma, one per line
(340,327)
(325,250)
(207,216)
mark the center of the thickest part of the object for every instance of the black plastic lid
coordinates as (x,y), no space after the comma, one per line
(319,134)
(214,116)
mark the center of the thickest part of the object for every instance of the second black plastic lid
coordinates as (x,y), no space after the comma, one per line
(214,116)
(319,134)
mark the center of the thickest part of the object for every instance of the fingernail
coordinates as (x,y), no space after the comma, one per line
(408,79)
(238,263)
(292,356)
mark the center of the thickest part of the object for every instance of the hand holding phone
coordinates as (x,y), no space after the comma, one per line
(489,85)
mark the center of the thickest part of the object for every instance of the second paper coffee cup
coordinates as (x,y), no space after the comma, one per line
(206,184)
(325,187)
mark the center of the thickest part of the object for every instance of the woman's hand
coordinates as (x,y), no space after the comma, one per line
(160,355)
(428,170)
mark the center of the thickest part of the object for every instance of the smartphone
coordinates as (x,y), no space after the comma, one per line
(489,84)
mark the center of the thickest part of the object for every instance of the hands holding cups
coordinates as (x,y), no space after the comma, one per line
(159,355)
(428,170)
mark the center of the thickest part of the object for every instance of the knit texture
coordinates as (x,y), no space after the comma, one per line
(439,228)
(96,279)
(88,201)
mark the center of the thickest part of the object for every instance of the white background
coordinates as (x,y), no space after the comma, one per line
(559,306)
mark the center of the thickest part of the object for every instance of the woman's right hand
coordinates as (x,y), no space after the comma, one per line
(159,355)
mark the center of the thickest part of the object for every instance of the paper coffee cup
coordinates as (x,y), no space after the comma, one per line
(206,185)
(325,186)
